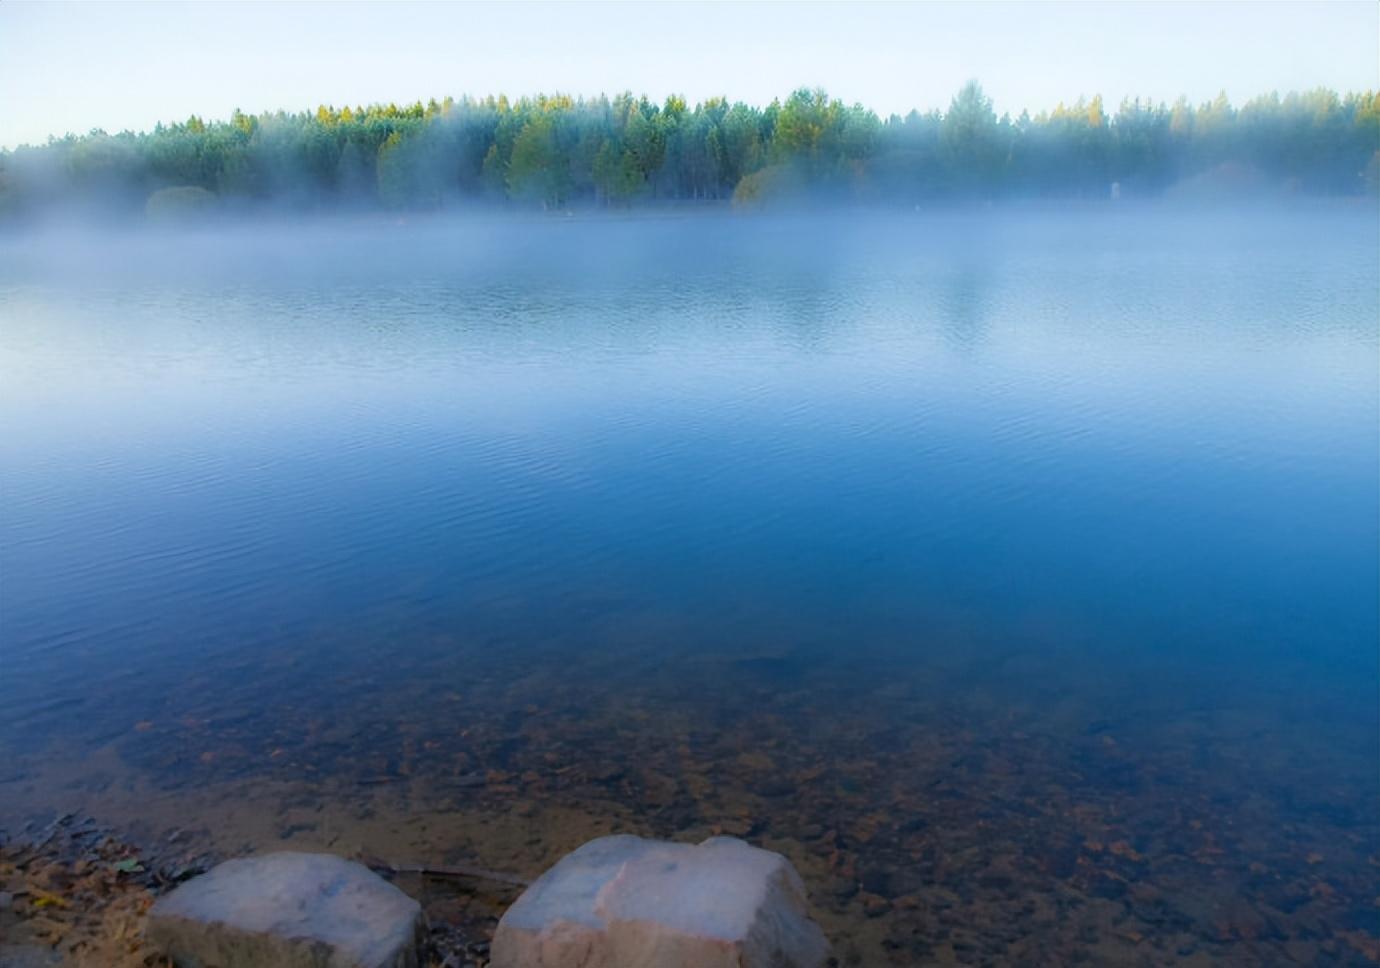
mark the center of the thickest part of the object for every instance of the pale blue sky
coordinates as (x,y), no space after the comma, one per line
(72,67)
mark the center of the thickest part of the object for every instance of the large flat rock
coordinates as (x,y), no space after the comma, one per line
(625,902)
(288,910)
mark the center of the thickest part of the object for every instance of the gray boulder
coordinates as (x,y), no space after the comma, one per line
(620,902)
(288,910)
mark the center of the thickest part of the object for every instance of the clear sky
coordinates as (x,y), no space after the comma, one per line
(72,67)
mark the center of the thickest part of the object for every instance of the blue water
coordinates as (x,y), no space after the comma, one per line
(1039,475)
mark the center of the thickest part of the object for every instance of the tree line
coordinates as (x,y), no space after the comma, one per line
(559,152)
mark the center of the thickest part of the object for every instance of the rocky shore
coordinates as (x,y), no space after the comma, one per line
(973,829)
(75,894)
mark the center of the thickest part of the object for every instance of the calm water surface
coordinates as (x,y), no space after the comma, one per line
(1017,576)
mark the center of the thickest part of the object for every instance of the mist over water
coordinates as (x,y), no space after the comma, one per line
(934,493)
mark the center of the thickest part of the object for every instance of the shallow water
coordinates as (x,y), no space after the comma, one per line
(1016,575)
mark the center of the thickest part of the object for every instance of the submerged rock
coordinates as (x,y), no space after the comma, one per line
(288,910)
(622,901)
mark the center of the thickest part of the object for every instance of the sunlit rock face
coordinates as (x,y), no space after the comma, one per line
(288,910)
(619,902)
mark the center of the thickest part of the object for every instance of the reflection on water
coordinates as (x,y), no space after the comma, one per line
(1015,576)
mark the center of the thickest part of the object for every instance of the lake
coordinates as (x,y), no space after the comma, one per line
(1015,574)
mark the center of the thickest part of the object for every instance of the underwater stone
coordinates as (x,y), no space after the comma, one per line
(289,910)
(622,901)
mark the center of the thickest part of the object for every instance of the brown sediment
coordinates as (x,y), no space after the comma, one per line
(73,893)
(927,830)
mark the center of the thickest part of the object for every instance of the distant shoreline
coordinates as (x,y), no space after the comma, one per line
(557,153)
